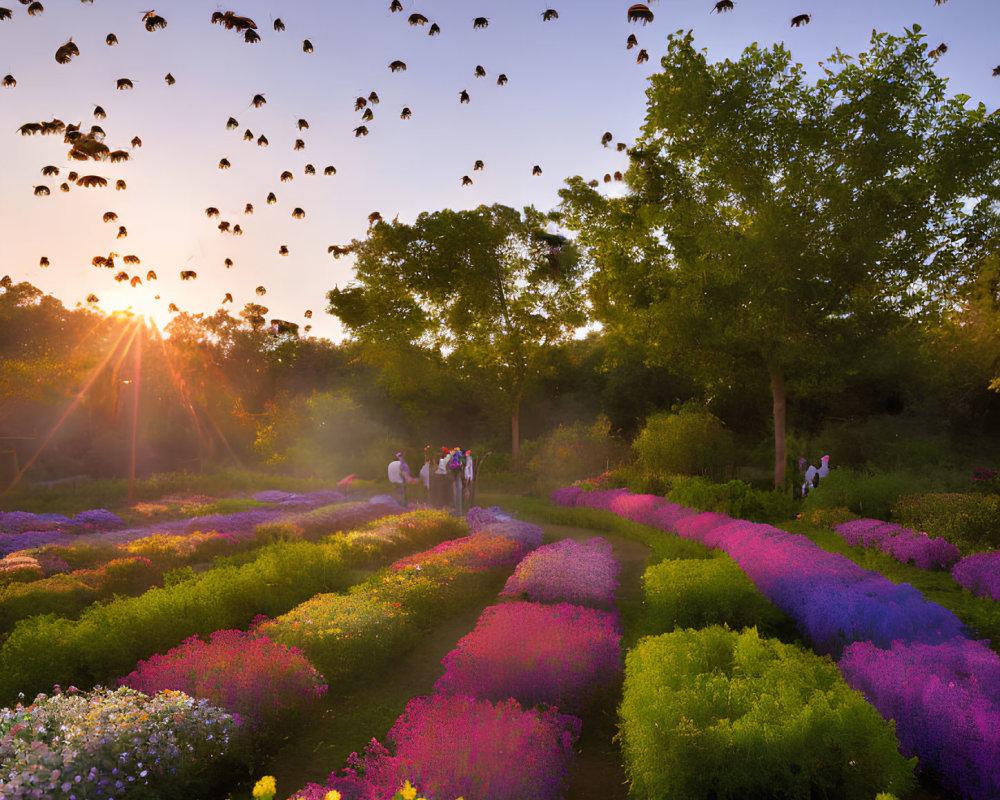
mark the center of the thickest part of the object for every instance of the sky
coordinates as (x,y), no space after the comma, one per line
(570,79)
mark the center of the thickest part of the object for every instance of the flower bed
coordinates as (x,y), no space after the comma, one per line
(559,654)
(247,675)
(901,543)
(567,571)
(836,604)
(455,746)
(980,574)
(112,744)
(945,699)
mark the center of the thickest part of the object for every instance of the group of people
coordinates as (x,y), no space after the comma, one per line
(446,479)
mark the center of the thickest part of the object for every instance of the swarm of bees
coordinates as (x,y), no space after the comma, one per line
(84,146)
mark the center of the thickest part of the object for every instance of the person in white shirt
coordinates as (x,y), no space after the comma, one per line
(399,474)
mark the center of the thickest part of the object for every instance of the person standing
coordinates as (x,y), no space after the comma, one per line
(399,475)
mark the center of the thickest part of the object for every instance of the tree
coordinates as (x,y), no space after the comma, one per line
(487,288)
(773,223)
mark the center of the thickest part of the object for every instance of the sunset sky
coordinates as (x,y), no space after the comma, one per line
(569,80)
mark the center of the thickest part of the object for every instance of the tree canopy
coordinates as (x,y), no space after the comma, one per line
(772,222)
(488,288)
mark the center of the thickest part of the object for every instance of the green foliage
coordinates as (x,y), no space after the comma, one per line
(714,713)
(277,532)
(571,452)
(695,593)
(971,522)
(688,441)
(62,595)
(868,494)
(128,576)
(488,285)
(176,576)
(638,481)
(775,221)
(108,640)
(737,499)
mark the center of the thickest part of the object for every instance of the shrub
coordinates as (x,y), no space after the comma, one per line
(945,699)
(345,636)
(63,595)
(247,675)
(695,593)
(272,532)
(559,654)
(127,576)
(119,744)
(575,451)
(715,713)
(735,498)
(866,493)
(971,521)
(688,441)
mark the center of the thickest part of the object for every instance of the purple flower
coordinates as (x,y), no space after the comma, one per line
(980,574)
(567,571)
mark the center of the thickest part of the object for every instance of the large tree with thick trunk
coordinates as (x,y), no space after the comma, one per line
(773,222)
(487,289)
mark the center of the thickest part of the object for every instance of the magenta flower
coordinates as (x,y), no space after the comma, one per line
(559,654)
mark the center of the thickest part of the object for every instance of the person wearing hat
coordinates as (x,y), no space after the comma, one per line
(399,474)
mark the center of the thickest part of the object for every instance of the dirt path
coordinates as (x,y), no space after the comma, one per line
(346,724)
(599,774)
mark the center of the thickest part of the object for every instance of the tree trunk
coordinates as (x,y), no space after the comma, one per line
(778,394)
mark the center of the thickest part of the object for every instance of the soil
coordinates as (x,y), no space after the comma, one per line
(325,738)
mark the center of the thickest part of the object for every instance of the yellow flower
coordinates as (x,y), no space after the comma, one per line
(265,788)
(332,795)
(408,792)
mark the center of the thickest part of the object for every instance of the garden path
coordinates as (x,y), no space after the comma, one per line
(346,724)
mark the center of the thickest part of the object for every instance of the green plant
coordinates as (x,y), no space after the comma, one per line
(689,440)
(970,521)
(694,593)
(715,713)
(571,452)
(277,532)
(735,498)
(866,493)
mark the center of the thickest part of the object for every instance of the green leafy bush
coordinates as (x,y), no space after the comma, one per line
(688,441)
(128,576)
(737,499)
(64,595)
(695,593)
(725,715)
(971,522)
(571,452)
(277,532)
(866,493)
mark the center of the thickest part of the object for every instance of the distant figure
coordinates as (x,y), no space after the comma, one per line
(425,475)
(813,475)
(456,467)
(399,474)
(800,490)
(824,469)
